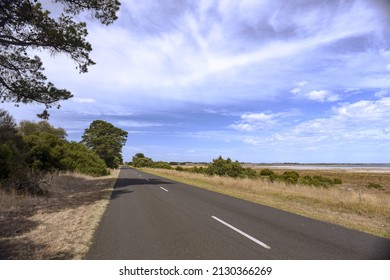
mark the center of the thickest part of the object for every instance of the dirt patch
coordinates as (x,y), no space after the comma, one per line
(60,226)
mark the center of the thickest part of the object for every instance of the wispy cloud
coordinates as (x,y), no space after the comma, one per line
(302,77)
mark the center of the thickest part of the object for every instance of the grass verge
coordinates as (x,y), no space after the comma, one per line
(60,226)
(357,208)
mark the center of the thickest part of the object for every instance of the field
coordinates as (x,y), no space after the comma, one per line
(60,226)
(351,204)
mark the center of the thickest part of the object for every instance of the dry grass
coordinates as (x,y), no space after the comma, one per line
(352,206)
(57,227)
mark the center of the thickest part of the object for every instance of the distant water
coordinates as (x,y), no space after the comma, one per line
(368,167)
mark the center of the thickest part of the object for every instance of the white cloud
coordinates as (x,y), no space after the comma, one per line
(366,110)
(353,121)
(138,124)
(364,123)
(322,96)
(299,85)
(258,121)
(382,93)
(83,100)
(252,122)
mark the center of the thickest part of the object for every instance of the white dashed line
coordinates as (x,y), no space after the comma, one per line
(242,233)
(164,189)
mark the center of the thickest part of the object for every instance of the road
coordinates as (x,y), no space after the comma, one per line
(150,217)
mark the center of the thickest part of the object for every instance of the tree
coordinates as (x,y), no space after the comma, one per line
(106,141)
(27,128)
(26,25)
(12,147)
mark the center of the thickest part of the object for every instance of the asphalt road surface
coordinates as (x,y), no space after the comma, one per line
(150,217)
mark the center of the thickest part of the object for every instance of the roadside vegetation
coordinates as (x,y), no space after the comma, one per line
(60,226)
(359,201)
(53,191)
(30,150)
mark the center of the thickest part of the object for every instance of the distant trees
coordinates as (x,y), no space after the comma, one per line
(106,141)
(139,160)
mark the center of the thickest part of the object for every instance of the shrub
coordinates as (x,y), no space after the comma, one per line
(319,181)
(77,157)
(249,173)
(179,168)
(337,181)
(199,170)
(143,162)
(375,186)
(290,177)
(162,165)
(266,172)
(224,167)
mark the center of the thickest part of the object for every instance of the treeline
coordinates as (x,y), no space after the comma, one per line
(229,168)
(31,149)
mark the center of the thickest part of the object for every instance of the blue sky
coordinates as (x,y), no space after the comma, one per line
(258,81)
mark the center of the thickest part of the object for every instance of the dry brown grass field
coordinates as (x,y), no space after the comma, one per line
(350,204)
(59,226)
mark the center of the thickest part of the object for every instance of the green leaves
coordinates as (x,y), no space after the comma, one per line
(105,140)
(27,26)
(222,167)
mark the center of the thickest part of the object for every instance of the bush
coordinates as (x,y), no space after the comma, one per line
(199,170)
(249,173)
(319,181)
(179,168)
(45,151)
(289,177)
(375,186)
(77,157)
(143,162)
(266,172)
(222,167)
(337,181)
(162,165)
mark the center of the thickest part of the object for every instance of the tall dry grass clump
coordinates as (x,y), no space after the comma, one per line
(361,209)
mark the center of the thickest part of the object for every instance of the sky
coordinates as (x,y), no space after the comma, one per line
(263,81)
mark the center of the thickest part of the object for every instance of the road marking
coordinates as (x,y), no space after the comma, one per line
(164,189)
(148,180)
(242,233)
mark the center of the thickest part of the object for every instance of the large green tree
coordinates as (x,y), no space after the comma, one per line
(106,140)
(27,25)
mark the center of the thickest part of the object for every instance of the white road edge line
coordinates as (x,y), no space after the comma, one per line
(242,233)
(164,189)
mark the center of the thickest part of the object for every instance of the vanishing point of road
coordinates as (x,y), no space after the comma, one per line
(150,217)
